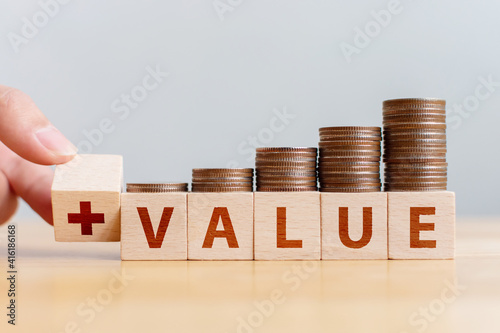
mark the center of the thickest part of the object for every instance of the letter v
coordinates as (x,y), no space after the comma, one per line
(155,242)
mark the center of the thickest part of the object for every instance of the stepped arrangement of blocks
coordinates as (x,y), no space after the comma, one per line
(286,218)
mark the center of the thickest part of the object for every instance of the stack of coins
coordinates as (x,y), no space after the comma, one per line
(286,169)
(349,159)
(222,180)
(157,187)
(415,144)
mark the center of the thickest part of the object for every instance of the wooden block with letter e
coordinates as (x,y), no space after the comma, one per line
(220,226)
(154,226)
(86,199)
(421,225)
(354,225)
(287,225)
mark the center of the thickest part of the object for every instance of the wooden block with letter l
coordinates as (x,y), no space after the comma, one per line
(354,225)
(421,225)
(154,226)
(220,226)
(86,199)
(287,226)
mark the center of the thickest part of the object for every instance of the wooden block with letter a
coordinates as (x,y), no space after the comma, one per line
(220,226)
(287,226)
(86,199)
(421,225)
(154,226)
(354,225)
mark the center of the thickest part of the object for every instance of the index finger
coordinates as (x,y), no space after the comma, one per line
(27,132)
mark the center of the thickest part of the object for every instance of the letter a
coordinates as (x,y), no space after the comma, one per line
(228,232)
(348,51)
(16,41)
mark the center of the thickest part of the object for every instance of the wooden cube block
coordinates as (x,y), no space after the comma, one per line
(354,225)
(421,225)
(86,199)
(220,226)
(154,226)
(287,225)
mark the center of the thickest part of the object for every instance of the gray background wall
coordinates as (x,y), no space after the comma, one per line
(231,69)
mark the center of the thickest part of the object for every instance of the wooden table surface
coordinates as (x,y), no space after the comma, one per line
(84,287)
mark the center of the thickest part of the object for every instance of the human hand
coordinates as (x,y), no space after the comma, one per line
(28,142)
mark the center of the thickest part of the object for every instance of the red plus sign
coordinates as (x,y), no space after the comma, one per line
(85,217)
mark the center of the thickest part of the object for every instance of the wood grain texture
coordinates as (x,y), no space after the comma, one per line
(354,225)
(287,226)
(154,226)
(220,226)
(375,296)
(421,225)
(89,184)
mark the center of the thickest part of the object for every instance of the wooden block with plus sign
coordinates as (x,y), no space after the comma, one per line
(287,226)
(354,225)
(86,199)
(220,226)
(154,226)
(421,225)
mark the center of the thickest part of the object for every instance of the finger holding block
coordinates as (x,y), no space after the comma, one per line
(220,226)
(287,226)
(354,225)
(154,226)
(421,225)
(86,199)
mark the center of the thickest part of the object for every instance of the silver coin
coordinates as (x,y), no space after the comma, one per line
(156,187)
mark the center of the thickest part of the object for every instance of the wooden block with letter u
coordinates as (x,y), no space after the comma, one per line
(354,225)
(86,199)
(421,225)
(287,226)
(220,226)
(154,226)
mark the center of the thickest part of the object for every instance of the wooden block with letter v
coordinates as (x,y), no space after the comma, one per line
(354,225)
(154,226)
(86,199)
(220,226)
(287,226)
(421,225)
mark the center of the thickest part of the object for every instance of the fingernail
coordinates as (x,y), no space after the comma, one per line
(55,141)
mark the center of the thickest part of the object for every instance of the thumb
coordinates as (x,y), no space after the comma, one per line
(27,132)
